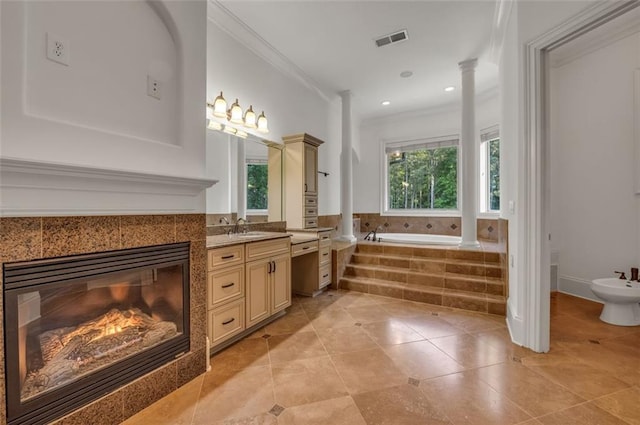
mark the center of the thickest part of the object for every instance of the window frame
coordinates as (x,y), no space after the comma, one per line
(406,144)
(487,136)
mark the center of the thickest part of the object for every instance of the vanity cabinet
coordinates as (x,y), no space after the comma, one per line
(268,279)
(225,293)
(247,284)
(311,262)
(301,180)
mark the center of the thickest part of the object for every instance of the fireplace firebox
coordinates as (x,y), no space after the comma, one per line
(78,327)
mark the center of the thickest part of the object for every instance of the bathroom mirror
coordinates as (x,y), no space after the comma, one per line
(249,171)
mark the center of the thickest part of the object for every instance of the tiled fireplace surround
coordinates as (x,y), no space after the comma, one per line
(29,238)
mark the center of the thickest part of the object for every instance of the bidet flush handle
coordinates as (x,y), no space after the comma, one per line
(622,276)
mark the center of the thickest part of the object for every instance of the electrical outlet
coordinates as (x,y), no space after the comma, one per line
(154,87)
(58,49)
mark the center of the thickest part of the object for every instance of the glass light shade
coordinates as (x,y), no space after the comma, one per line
(209,111)
(213,125)
(235,113)
(220,107)
(263,126)
(229,130)
(250,118)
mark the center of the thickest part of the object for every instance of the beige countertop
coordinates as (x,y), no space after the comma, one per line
(218,241)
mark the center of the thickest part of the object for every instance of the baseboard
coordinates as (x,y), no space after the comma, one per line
(577,287)
(515,326)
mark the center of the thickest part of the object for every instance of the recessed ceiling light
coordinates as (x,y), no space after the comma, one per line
(406,74)
(386,102)
(450,88)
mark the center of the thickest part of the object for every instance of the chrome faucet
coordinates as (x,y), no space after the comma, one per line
(237,225)
(223,219)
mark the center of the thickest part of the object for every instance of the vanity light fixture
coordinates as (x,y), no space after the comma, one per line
(220,107)
(250,118)
(219,118)
(263,126)
(235,113)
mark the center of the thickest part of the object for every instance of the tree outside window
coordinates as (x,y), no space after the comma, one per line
(257,184)
(494,174)
(423,176)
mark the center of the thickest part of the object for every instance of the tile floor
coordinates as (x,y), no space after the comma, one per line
(351,358)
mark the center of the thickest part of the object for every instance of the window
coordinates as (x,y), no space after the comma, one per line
(422,175)
(257,184)
(490,170)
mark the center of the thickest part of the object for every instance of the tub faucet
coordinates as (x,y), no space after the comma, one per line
(224,219)
(371,234)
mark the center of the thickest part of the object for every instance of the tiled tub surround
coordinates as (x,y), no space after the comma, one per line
(30,238)
(450,226)
(377,360)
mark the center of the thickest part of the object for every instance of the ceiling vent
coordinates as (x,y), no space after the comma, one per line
(396,37)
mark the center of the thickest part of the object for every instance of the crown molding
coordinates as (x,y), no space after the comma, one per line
(34,188)
(501,15)
(240,31)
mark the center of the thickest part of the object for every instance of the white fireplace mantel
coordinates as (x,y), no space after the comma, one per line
(34,188)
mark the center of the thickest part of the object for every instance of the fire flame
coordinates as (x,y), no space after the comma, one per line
(112,329)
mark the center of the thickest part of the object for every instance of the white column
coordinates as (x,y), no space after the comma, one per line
(346,194)
(469,150)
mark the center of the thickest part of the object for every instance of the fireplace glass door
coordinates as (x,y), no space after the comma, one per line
(88,318)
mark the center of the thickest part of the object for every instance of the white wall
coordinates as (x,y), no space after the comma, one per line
(290,107)
(96,113)
(368,169)
(594,215)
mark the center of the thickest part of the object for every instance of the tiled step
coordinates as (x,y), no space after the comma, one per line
(470,283)
(448,297)
(426,265)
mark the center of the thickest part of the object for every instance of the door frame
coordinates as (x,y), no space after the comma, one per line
(537,251)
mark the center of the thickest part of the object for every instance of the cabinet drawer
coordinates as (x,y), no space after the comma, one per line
(310,223)
(225,256)
(304,248)
(310,212)
(325,275)
(225,285)
(325,255)
(325,238)
(226,321)
(310,201)
(262,249)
